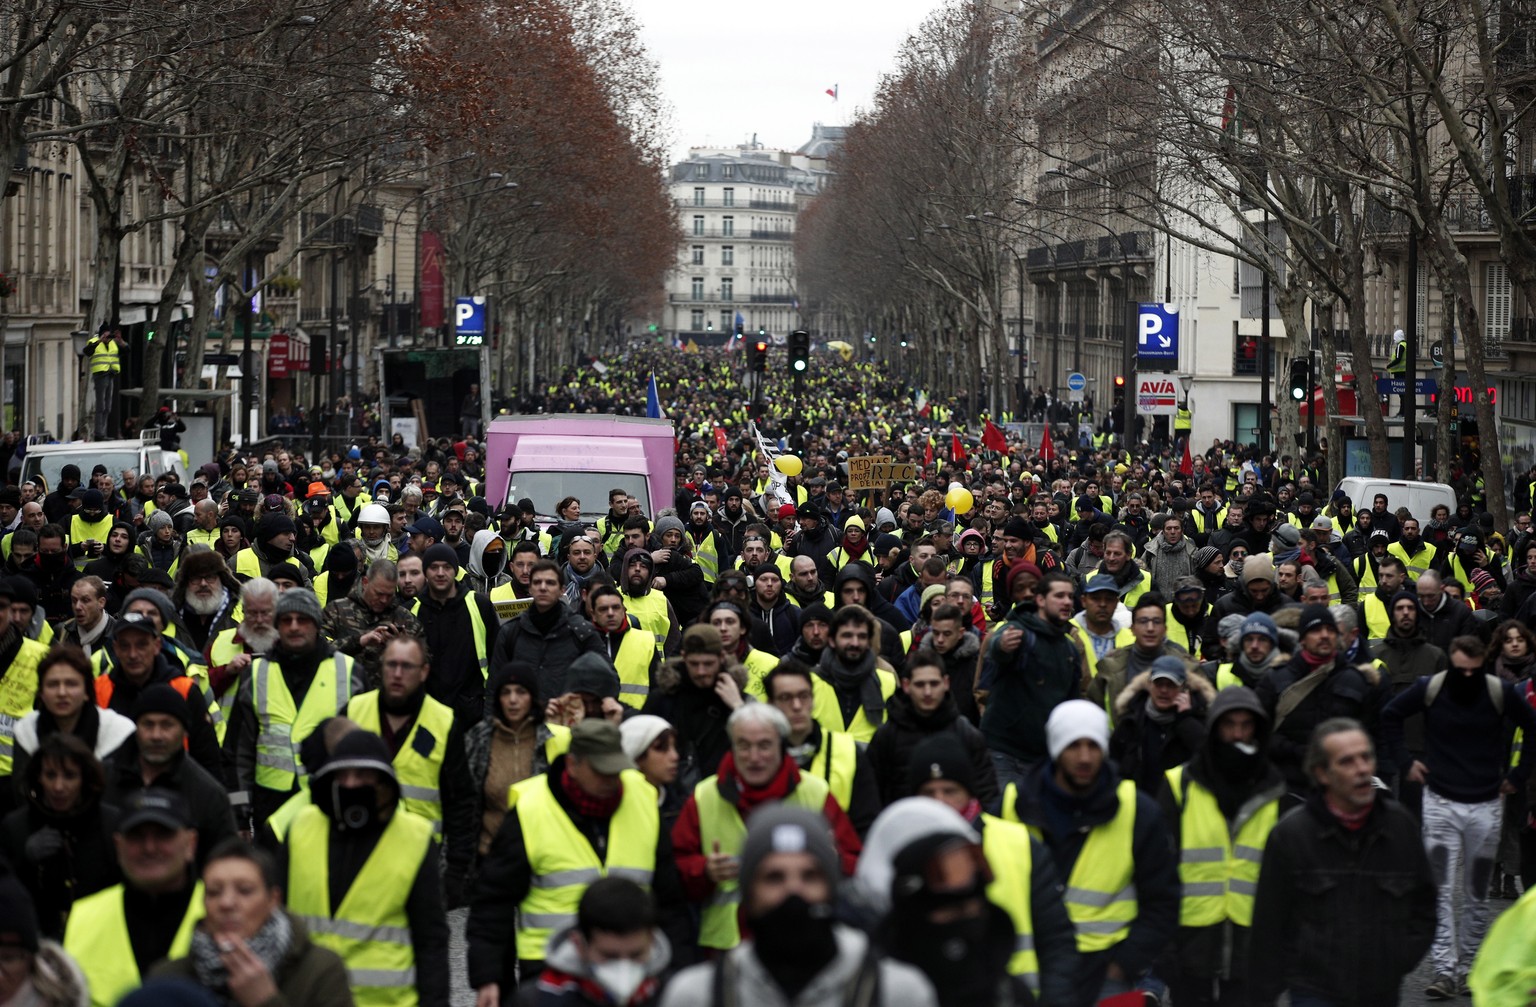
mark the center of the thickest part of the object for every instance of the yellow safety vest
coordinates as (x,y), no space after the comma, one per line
(282,819)
(1183,420)
(1179,633)
(1218,871)
(1006,847)
(1101,890)
(369,929)
(836,762)
(197,537)
(477,629)
(247,564)
(633,662)
(282,725)
(97,938)
(1377,619)
(81,530)
(1365,574)
(419,774)
(104,356)
(720,822)
(827,712)
(563,862)
(1131,596)
(223,650)
(758,664)
(1418,563)
(707,555)
(826,599)
(18,695)
(1505,971)
(651,609)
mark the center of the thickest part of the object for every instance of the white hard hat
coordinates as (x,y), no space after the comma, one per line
(373,514)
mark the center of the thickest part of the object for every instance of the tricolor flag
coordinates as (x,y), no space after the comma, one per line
(653,408)
(832,92)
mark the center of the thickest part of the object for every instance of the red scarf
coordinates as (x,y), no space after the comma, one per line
(750,797)
(585,804)
(1353,821)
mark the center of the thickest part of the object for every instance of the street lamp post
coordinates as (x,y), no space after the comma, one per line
(1264,345)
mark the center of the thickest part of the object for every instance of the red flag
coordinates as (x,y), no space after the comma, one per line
(957,450)
(993,439)
(928,454)
(720,439)
(1187,466)
(832,91)
(1047,449)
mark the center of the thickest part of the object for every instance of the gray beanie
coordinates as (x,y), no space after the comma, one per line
(160,519)
(668,523)
(300,600)
(1230,626)
(782,828)
(155,596)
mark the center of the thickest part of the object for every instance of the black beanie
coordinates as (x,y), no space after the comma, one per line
(274,524)
(162,698)
(940,757)
(440,552)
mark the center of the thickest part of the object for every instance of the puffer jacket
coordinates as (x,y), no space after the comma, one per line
(960,666)
(1145,749)
(890,750)
(698,715)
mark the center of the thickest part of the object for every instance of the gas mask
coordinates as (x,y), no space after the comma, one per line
(354,808)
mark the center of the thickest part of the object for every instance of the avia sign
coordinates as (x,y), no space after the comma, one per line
(1157,394)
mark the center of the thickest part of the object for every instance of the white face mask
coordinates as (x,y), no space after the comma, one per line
(620,978)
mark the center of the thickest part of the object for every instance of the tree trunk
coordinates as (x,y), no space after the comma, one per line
(1359,341)
(1327,430)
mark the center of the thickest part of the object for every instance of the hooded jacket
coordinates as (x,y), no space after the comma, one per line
(1020,688)
(552,650)
(456,679)
(1408,659)
(481,579)
(884,612)
(1356,691)
(890,750)
(1145,749)
(960,666)
(568,980)
(697,714)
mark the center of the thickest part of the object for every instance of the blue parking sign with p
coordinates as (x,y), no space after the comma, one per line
(1157,332)
(469,321)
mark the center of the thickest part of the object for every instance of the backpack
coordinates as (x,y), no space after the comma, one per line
(1437,682)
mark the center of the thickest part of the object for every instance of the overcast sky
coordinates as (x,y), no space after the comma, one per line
(731,70)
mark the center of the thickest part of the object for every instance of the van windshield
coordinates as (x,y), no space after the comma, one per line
(546,489)
(50,463)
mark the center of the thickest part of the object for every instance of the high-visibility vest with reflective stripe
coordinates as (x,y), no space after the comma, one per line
(1377,619)
(1101,890)
(18,694)
(419,774)
(707,555)
(836,761)
(651,609)
(282,725)
(828,712)
(720,822)
(98,940)
(1136,590)
(1419,562)
(1365,573)
(224,650)
(477,628)
(1218,871)
(81,530)
(1006,847)
(1183,420)
(247,564)
(198,536)
(633,662)
(104,356)
(369,930)
(563,863)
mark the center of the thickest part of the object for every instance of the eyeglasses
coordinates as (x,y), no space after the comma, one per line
(1149,621)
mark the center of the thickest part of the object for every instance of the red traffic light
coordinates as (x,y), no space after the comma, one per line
(1119,381)
(762,346)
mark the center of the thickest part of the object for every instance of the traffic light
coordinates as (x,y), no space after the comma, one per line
(738,330)
(799,350)
(1301,379)
(1119,401)
(760,356)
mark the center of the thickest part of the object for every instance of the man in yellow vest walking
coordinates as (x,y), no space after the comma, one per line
(119,933)
(102,354)
(1225,801)
(592,816)
(1122,883)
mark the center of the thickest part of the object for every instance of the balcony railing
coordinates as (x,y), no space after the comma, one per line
(773,298)
(773,235)
(1128,246)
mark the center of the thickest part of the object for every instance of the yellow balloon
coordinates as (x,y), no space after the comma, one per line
(788,464)
(960,500)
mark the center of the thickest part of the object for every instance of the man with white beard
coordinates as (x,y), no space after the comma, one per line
(233,650)
(204,598)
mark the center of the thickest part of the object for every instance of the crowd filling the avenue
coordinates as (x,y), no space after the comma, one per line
(1060,723)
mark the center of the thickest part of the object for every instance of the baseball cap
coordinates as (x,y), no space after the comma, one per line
(600,744)
(426,524)
(132,621)
(1101,582)
(155,805)
(1170,668)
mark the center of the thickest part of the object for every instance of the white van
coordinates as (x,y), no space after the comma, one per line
(1420,498)
(142,456)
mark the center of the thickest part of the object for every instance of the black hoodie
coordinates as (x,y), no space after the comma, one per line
(884,612)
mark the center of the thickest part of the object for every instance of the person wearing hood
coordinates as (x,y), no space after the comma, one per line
(861,684)
(1325,686)
(925,707)
(338,571)
(357,862)
(486,569)
(855,585)
(88,528)
(66,704)
(1123,665)
(637,579)
(630,649)
(458,625)
(1255,592)
(118,550)
(283,699)
(59,842)
(428,754)
(854,547)
(592,815)
(586,689)
(1159,721)
(548,635)
(369,617)
(276,537)
(613,956)
(675,575)
(696,692)
(1006,937)
(204,599)
(1109,842)
(1225,800)
(757,772)
(834,757)
(772,609)
(139,662)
